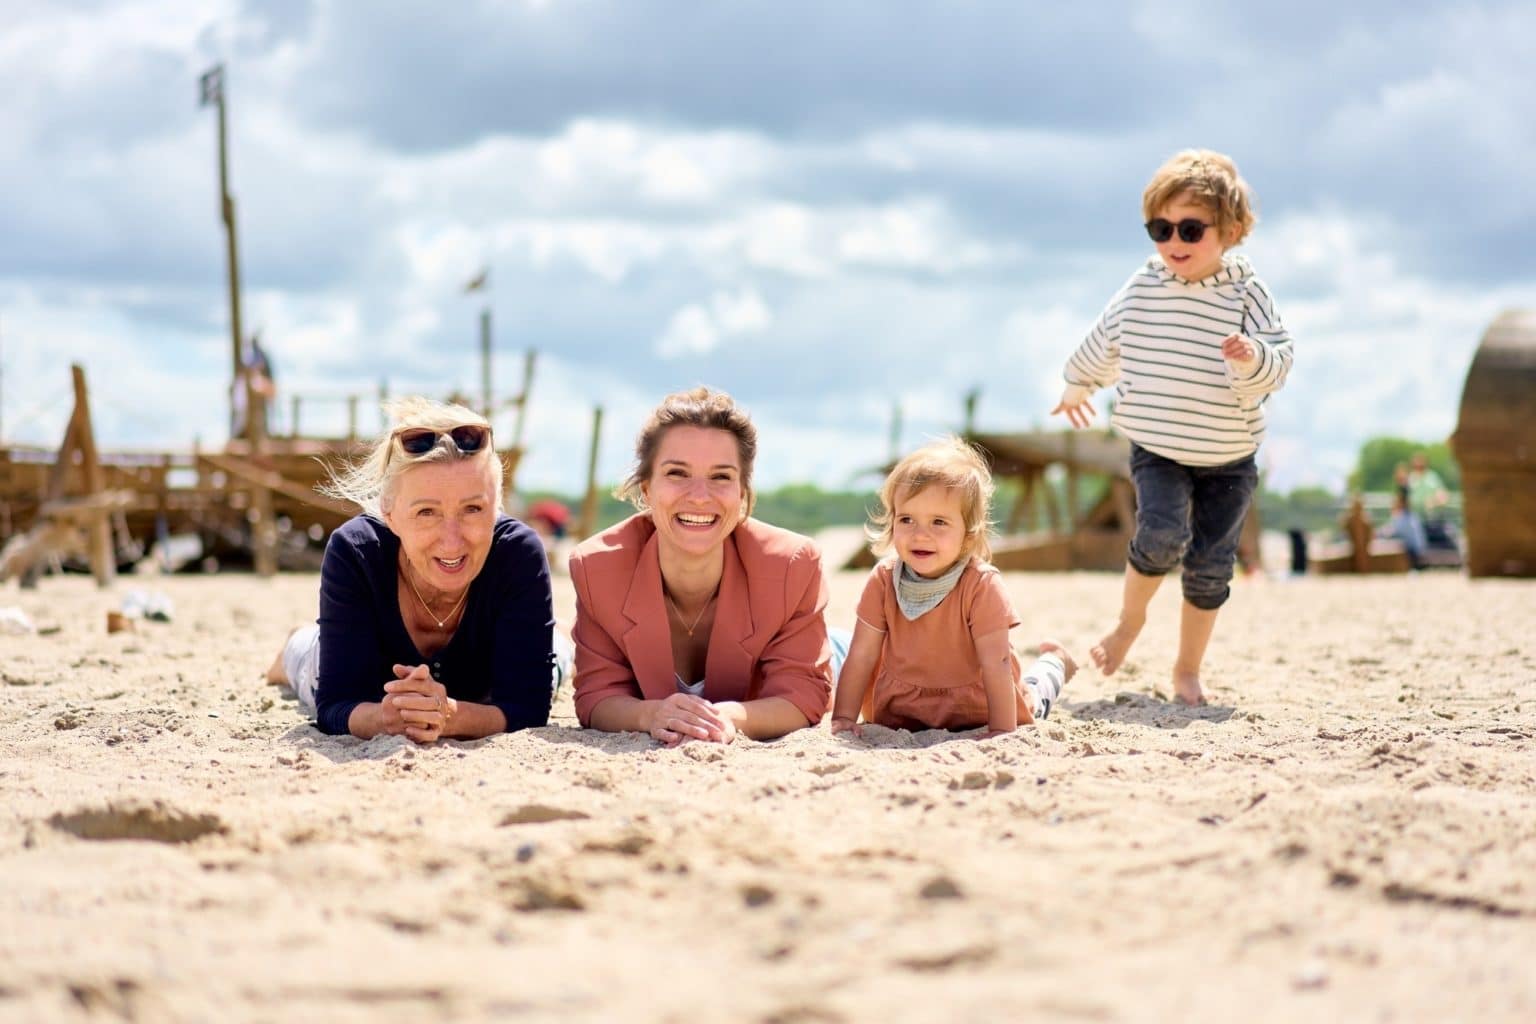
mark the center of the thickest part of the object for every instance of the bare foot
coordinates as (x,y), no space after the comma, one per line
(1186,689)
(1108,653)
(1066,659)
(277,674)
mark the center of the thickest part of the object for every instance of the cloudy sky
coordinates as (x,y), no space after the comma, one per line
(824,207)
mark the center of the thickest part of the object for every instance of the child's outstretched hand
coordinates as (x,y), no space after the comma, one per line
(1242,354)
(1074,402)
(842,725)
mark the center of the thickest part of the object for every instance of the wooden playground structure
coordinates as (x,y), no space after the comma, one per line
(109,508)
(255,500)
(1049,532)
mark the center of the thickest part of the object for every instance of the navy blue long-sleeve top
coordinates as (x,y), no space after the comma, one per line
(501,653)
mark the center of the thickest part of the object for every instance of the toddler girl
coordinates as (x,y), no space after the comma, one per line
(933,622)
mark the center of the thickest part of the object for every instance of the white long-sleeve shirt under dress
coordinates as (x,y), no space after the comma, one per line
(1159,341)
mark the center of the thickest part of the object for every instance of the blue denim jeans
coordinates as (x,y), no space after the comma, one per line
(1193,515)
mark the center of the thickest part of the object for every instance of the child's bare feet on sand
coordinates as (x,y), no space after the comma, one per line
(1186,689)
(277,673)
(1108,653)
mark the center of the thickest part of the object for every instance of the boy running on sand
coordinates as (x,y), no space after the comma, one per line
(1194,345)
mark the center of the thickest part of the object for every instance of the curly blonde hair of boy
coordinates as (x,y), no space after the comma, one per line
(1210,179)
(949,462)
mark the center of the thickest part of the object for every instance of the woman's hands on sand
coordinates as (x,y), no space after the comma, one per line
(682,716)
(415,705)
(1074,402)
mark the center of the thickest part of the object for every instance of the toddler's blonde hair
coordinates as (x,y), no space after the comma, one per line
(1210,179)
(948,462)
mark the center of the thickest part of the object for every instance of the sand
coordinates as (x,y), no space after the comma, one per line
(1347,833)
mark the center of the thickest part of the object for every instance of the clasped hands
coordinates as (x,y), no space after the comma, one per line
(415,705)
(682,716)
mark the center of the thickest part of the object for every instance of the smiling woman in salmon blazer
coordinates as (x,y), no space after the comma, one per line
(693,620)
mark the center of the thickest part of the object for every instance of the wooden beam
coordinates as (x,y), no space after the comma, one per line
(588,524)
(103,557)
(271,480)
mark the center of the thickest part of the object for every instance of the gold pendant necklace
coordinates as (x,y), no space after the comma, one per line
(442,623)
(697,619)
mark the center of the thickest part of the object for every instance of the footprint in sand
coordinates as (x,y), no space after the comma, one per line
(757,895)
(156,821)
(981,780)
(941,887)
(538,814)
(965,956)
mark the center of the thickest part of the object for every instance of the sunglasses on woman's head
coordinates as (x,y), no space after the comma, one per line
(1160,229)
(468,439)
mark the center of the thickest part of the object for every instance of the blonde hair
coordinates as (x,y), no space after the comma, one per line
(699,407)
(1210,179)
(372,479)
(949,462)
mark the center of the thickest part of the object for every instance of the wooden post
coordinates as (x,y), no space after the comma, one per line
(213,93)
(1072,482)
(103,557)
(260,515)
(485,362)
(522,398)
(293,424)
(1358,528)
(1018,508)
(1052,508)
(352,418)
(588,524)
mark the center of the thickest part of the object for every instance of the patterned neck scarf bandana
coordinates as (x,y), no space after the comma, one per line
(917,596)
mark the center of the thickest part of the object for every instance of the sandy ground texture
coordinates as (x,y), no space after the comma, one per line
(1347,833)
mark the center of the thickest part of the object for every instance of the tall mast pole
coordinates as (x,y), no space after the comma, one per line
(261,515)
(487,409)
(212,83)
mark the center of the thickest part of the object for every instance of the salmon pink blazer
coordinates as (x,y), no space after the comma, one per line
(769,638)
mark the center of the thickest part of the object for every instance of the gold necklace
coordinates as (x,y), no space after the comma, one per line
(442,623)
(697,619)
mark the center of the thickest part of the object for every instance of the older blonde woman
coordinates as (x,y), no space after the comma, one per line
(436,618)
(694,621)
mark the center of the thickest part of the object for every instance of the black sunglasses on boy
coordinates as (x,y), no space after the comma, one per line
(1160,229)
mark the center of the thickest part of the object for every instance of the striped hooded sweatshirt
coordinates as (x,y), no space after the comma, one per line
(1159,341)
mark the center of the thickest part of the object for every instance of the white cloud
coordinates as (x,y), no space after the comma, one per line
(697,328)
